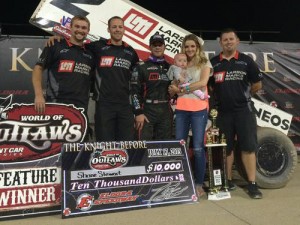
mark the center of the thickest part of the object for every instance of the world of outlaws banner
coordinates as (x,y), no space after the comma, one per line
(126,175)
(30,146)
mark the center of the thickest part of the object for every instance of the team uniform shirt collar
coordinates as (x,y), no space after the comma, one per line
(110,43)
(236,56)
(70,44)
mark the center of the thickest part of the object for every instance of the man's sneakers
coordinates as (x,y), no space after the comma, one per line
(253,191)
(231,185)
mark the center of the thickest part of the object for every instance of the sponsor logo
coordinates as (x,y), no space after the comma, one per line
(287,91)
(14,92)
(84,202)
(261,92)
(286,79)
(62,31)
(270,116)
(66,22)
(296,118)
(154,76)
(219,77)
(26,135)
(106,61)
(289,105)
(139,24)
(66,66)
(108,159)
(274,104)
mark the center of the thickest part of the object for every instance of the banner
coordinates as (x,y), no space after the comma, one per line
(126,175)
(18,54)
(278,61)
(30,146)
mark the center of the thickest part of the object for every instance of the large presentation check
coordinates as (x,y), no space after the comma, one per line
(125,175)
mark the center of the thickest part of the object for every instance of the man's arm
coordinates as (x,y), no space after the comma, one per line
(255,87)
(51,40)
(37,79)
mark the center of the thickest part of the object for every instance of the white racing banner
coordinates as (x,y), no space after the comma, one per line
(54,16)
(269,116)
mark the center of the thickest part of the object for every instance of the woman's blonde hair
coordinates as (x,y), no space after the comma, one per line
(200,59)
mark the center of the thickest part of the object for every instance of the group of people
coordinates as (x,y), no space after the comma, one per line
(132,97)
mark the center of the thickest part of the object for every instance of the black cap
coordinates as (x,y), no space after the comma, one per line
(157,38)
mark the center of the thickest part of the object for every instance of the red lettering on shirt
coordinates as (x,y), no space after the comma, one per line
(219,76)
(66,66)
(106,61)
(154,76)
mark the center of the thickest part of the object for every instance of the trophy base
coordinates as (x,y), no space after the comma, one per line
(220,195)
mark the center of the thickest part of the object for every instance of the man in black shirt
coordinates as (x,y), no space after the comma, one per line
(236,78)
(114,120)
(70,69)
(150,97)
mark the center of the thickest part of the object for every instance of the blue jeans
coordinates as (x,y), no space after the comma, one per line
(197,121)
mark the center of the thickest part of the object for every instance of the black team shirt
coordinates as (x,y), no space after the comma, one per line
(70,70)
(232,81)
(114,67)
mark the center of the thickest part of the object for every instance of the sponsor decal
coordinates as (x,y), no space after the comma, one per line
(274,104)
(26,135)
(106,61)
(270,116)
(108,159)
(14,92)
(289,105)
(219,77)
(154,76)
(287,91)
(66,22)
(286,79)
(139,24)
(84,202)
(261,92)
(66,66)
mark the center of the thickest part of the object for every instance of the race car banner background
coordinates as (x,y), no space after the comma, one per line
(278,61)
(126,175)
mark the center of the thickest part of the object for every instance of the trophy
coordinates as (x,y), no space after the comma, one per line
(213,132)
(217,176)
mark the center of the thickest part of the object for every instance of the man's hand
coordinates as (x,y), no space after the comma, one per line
(51,40)
(139,121)
(173,90)
(39,104)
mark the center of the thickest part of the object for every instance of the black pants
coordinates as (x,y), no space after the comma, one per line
(114,122)
(160,124)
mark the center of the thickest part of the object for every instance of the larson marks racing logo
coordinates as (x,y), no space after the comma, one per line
(26,135)
(108,159)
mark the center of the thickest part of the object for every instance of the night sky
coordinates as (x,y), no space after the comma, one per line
(267,20)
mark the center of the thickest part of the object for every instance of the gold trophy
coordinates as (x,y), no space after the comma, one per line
(214,131)
(217,177)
